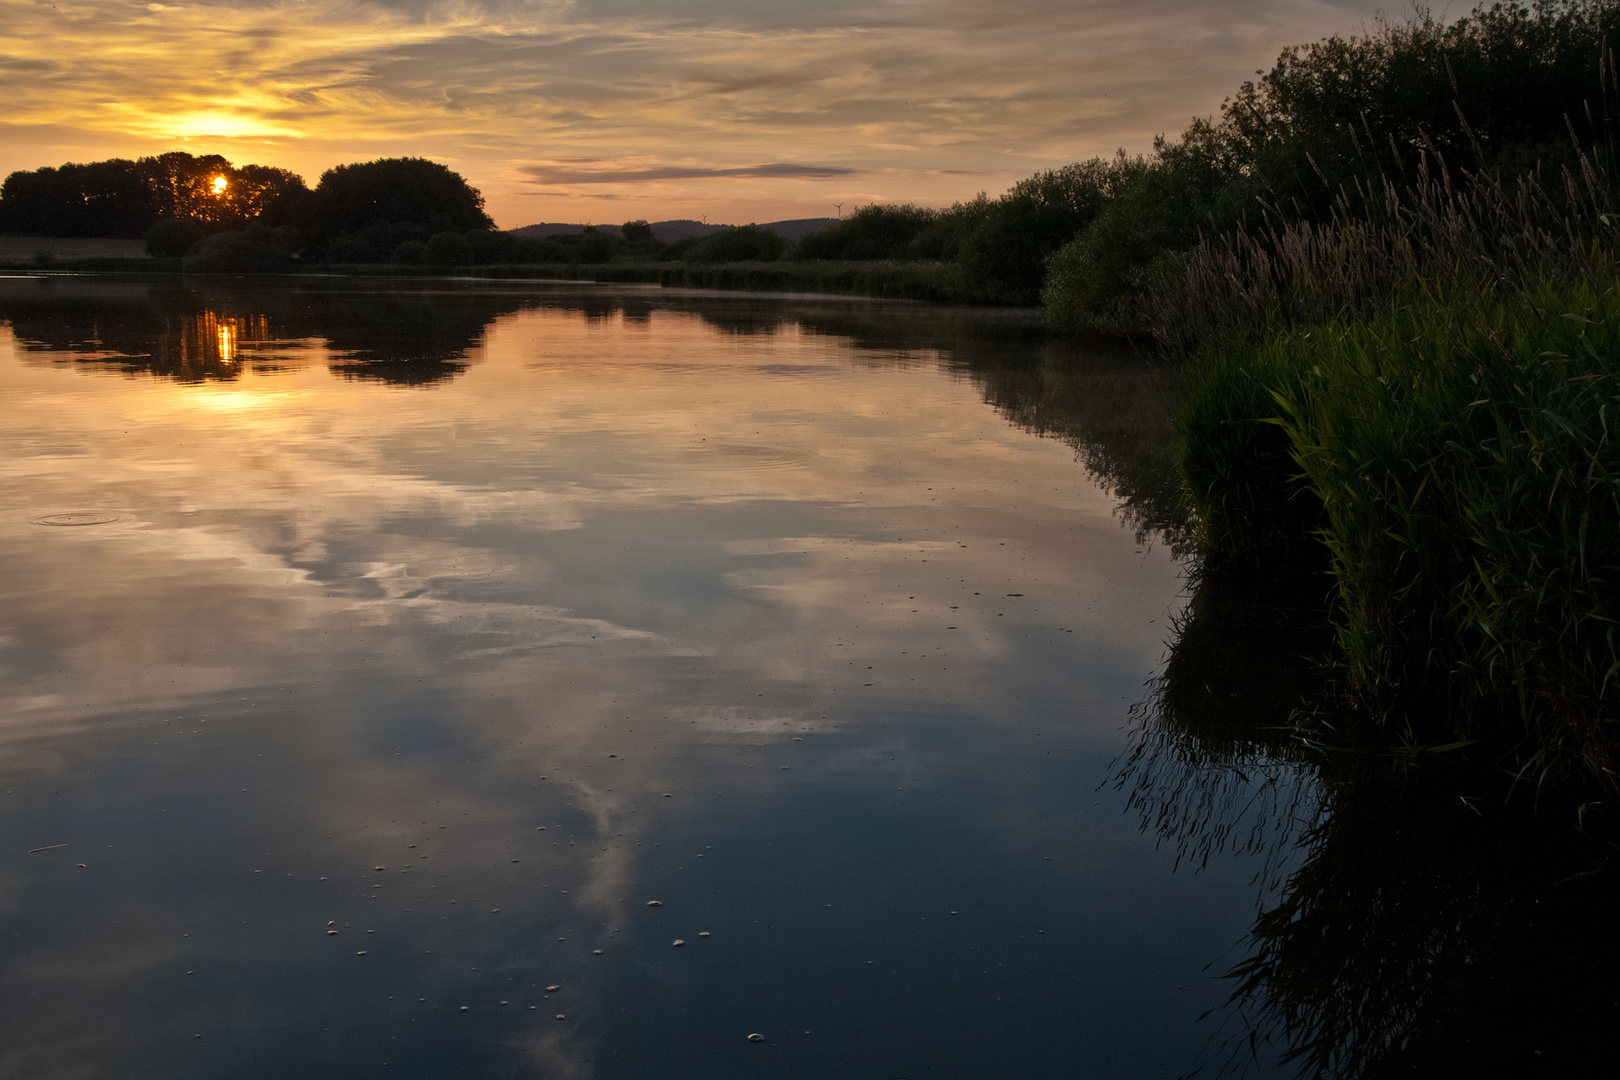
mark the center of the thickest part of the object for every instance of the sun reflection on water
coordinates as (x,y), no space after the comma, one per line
(226,334)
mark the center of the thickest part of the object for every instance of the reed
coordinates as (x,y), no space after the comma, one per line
(1425,394)
(1465,451)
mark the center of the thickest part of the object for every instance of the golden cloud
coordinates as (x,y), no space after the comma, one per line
(892,101)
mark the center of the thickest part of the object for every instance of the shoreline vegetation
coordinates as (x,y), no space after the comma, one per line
(874,280)
(1385,275)
(1411,382)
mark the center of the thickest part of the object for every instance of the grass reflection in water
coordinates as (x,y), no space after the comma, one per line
(1416,919)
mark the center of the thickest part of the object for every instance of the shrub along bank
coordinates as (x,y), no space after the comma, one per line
(1422,394)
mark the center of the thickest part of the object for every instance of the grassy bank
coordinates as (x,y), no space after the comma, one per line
(1464,453)
(1421,396)
(885,280)
(95,264)
(1398,329)
(888,280)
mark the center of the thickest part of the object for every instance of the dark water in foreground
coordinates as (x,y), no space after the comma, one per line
(439,630)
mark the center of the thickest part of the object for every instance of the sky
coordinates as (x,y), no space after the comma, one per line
(610,110)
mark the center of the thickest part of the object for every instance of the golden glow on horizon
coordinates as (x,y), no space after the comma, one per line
(220,184)
(568,111)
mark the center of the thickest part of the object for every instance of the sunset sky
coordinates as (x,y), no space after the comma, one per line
(606,110)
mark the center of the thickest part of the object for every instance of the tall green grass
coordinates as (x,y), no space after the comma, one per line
(1253,513)
(1466,452)
(1424,397)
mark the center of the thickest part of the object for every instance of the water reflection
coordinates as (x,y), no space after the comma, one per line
(1221,762)
(1429,932)
(1113,411)
(1411,925)
(200,331)
(750,607)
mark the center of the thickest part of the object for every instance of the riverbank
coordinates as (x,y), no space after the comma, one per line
(884,280)
(80,254)
(881,280)
(1418,399)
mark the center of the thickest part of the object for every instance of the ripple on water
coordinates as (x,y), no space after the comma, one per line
(721,454)
(80,517)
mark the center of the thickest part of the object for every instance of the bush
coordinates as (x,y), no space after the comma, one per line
(636,230)
(1002,257)
(595,246)
(258,250)
(870,233)
(493,246)
(449,249)
(745,243)
(677,249)
(1326,129)
(352,248)
(173,237)
(544,250)
(410,253)
(1152,211)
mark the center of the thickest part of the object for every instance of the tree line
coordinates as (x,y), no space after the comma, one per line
(251,216)
(1501,90)
(124,198)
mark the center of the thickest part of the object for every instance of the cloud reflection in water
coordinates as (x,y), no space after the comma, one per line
(779,564)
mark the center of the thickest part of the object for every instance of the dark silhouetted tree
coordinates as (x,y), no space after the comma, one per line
(595,246)
(125,198)
(183,186)
(871,232)
(393,192)
(267,195)
(102,198)
(745,243)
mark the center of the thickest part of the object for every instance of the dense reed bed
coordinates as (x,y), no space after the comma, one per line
(1422,396)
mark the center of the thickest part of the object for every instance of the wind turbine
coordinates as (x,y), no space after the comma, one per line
(840,208)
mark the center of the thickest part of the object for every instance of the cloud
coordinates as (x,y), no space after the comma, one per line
(551,174)
(913,100)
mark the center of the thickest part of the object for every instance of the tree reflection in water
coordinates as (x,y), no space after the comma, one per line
(212,331)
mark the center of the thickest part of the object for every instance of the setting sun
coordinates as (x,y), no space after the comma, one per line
(220,183)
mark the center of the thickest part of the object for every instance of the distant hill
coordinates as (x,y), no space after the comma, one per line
(670,231)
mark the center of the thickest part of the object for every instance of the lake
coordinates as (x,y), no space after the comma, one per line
(425,679)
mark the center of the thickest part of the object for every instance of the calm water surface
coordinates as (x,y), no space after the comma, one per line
(466,623)
(489,681)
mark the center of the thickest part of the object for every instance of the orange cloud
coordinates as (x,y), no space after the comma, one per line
(920,100)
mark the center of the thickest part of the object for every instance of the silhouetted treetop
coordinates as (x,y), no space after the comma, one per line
(120,197)
(396,191)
